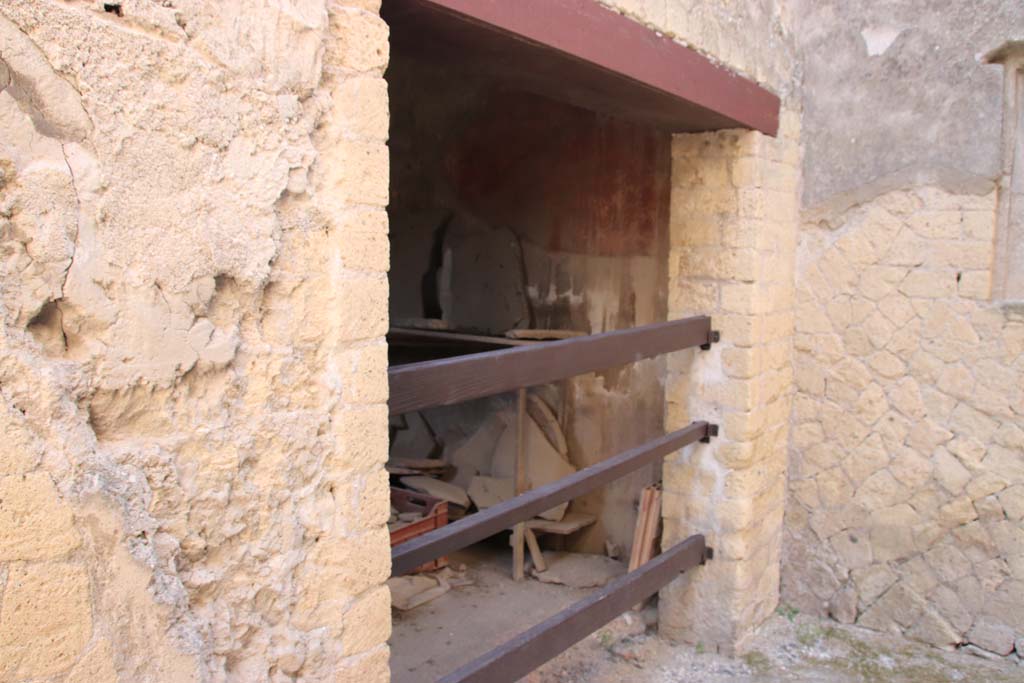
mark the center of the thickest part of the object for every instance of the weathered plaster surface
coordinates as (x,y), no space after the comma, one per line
(193,294)
(900,91)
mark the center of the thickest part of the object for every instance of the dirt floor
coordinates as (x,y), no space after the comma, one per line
(436,638)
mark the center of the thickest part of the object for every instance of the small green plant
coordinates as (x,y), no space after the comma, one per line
(699,648)
(757,661)
(787,611)
(607,640)
(809,634)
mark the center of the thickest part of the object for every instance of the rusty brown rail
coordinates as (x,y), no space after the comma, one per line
(452,380)
(476,527)
(522,654)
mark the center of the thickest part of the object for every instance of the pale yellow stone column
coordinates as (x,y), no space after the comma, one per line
(733,235)
(343,582)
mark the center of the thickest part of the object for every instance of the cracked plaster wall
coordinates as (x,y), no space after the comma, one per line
(192,366)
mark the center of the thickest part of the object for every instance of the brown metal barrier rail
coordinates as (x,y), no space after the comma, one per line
(524,653)
(453,380)
(478,526)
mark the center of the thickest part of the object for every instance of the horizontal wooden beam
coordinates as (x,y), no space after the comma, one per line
(595,57)
(476,527)
(524,653)
(453,380)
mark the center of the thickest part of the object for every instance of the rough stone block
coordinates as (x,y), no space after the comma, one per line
(362,374)
(991,635)
(1012,500)
(899,606)
(853,549)
(46,619)
(363,241)
(927,284)
(95,666)
(957,512)
(948,562)
(891,532)
(362,41)
(361,435)
(19,451)
(367,623)
(931,628)
(952,475)
(360,107)
(35,523)
(366,667)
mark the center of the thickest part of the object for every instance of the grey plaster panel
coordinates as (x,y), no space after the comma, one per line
(900,87)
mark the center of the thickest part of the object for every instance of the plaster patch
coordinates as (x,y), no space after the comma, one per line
(878,39)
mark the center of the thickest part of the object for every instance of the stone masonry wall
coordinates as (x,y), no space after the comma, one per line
(906,509)
(734,220)
(193,256)
(733,236)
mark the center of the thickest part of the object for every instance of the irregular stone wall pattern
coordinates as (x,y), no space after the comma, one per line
(906,508)
(193,256)
(733,236)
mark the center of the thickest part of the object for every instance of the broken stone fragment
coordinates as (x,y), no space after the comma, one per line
(544,464)
(414,441)
(579,570)
(934,630)
(437,489)
(481,284)
(992,635)
(408,592)
(473,456)
(409,516)
(545,418)
(843,605)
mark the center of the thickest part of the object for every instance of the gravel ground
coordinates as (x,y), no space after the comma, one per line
(786,648)
(436,638)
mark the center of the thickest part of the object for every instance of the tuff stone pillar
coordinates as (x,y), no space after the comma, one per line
(733,236)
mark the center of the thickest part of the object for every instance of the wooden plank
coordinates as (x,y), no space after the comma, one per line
(535,553)
(524,653)
(589,55)
(519,534)
(569,524)
(453,380)
(651,525)
(418,463)
(640,530)
(502,516)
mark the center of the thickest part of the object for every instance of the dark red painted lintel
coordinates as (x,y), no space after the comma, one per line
(608,41)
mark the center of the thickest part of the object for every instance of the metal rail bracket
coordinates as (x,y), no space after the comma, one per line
(714,336)
(712,432)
